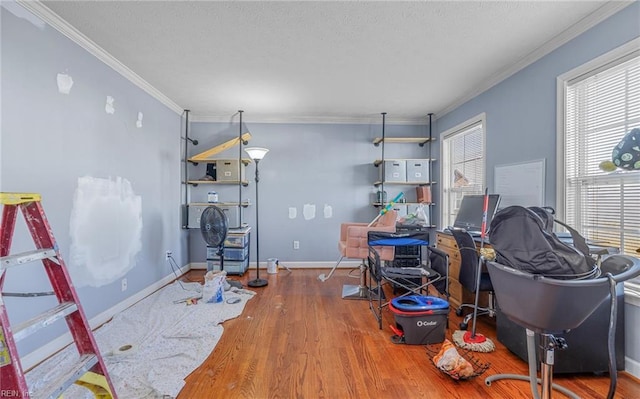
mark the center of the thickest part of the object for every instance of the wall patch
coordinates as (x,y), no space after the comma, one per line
(139,121)
(109,107)
(105,230)
(65,82)
(309,211)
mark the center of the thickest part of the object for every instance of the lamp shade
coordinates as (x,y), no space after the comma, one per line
(256,153)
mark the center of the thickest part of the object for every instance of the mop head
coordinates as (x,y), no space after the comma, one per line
(479,343)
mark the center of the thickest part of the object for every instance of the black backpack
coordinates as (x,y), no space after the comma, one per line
(523,239)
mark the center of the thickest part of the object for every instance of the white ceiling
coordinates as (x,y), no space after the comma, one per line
(326,61)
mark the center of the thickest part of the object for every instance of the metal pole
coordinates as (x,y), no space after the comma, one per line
(240,169)
(258,282)
(384,115)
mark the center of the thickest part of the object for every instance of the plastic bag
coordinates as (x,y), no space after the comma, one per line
(417,218)
(214,284)
(421,214)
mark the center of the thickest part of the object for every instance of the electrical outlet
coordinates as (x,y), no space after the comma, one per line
(168,255)
(296,244)
(124,284)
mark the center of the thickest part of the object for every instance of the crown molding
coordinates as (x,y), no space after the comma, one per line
(356,120)
(62,26)
(564,37)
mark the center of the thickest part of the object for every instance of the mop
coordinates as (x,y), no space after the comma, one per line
(471,340)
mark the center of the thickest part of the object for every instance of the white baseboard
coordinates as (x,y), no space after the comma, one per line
(47,350)
(632,366)
(345,264)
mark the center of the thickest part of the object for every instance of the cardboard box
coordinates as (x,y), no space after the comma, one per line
(423,194)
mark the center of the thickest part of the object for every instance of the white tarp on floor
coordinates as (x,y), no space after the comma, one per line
(168,342)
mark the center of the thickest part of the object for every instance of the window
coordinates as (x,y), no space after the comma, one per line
(462,165)
(601,103)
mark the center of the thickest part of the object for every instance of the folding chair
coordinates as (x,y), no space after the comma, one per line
(414,280)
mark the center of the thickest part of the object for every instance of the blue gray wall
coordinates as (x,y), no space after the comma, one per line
(521,117)
(50,139)
(317,164)
(521,111)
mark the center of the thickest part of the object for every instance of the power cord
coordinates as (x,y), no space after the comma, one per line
(175,266)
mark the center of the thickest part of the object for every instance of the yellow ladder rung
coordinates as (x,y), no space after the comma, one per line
(18,198)
(96,383)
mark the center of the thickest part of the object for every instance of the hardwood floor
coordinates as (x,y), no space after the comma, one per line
(297,338)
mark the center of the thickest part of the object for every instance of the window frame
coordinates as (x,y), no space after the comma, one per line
(460,128)
(608,60)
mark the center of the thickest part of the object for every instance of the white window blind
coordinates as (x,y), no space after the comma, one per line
(463,166)
(600,108)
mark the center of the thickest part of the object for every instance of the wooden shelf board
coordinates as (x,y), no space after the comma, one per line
(377,162)
(203,156)
(408,140)
(244,204)
(406,183)
(243,182)
(245,161)
(406,203)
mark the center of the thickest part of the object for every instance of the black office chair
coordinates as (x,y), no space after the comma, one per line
(414,280)
(472,277)
(548,306)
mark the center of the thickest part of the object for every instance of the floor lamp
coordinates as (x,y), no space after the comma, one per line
(256,154)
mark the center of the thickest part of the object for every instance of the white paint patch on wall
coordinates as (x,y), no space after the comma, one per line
(293,212)
(309,211)
(65,82)
(139,121)
(105,229)
(328,211)
(109,108)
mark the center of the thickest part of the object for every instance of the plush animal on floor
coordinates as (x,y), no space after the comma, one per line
(626,154)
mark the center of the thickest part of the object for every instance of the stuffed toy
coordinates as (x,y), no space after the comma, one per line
(626,154)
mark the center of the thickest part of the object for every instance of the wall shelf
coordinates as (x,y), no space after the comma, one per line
(205,155)
(400,171)
(227,171)
(232,182)
(405,183)
(244,204)
(378,162)
(421,141)
(378,204)
(245,161)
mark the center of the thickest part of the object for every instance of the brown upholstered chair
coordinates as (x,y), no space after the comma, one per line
(354,244)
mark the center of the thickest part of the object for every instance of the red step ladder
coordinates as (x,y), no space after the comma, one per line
(12,380)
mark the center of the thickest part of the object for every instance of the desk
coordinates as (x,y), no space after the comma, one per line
(458,294)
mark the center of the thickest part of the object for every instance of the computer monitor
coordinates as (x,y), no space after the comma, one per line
(469,215)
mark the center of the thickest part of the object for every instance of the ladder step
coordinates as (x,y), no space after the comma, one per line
(42,320)
(66,379)
(26,257)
